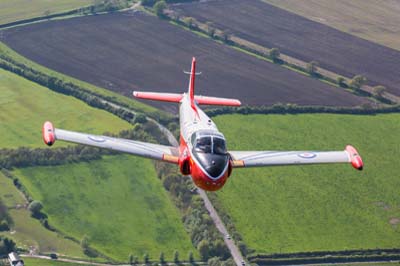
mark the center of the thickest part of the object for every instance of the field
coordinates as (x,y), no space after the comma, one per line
(315,208)
(27,231)
(135,51)
(118,202)
(376,21)
(301,38)
(41,262)
(14,10)
(24,106)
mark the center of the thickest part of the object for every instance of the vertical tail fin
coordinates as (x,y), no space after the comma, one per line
(191,81)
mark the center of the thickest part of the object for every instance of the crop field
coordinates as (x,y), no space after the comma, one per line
(135,51)
(118,202)
(376,21)
(301,38)
(320,207)
(27,231)
(14,10)
(24,106)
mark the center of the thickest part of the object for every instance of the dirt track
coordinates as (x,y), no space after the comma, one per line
(301,38)
(135,51)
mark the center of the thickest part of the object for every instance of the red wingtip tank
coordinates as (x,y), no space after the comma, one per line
(355,158)
(48,133)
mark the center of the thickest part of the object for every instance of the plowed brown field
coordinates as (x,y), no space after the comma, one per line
(301,38)
(134,51)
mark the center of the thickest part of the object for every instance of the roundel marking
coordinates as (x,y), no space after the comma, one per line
(307,155)
(96,139)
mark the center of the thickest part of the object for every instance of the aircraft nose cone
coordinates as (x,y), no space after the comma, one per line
(213,164)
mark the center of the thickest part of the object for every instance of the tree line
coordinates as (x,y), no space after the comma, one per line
(279,108)
(196,219)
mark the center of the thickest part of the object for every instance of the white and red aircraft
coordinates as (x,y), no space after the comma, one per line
(202,153)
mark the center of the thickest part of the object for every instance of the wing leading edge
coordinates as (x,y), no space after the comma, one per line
(143,149)
(275,158)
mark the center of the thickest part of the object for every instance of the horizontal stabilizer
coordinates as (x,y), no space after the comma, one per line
(159,96)
(176,98)
(205,100)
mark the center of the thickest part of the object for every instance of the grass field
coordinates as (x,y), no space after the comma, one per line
(118,202)
(27,231)
(314,208)
(14,10)
(376,21)
(24,106)
(42,262)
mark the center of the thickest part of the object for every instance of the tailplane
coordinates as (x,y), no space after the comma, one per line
(194,99)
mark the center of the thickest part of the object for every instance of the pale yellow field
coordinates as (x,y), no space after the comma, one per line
(13,10)
(374,20)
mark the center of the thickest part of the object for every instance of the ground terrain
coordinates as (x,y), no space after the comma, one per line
(14,10)
(301,38)
(28,232)
(118,202)
(376,21)
(135,51)
(25,106)
(315,208)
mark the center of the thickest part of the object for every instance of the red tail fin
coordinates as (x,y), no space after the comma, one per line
(191,82)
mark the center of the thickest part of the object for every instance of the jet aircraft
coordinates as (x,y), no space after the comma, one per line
(202,152)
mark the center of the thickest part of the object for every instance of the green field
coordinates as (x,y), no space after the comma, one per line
(14,10)
(376,21)
(24,106)
(27,231)
(314,208)
(118,202)
(42,262)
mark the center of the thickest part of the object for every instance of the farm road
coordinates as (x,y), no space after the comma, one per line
(298,37)
(134,51)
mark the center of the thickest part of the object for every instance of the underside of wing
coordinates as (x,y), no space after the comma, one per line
(143,149)
(274,158)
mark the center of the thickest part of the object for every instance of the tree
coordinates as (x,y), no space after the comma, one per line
(191,257)
(85,243)
(210,29)
(189,21)
(274,54)
(312,68)
(159,8)
(35,207)
(130,260)
(378,91)
(176,256)
(214,261)
(225,36)
(341,82)
(146,258)
(162,258)
(204,250)
(140,118)
(357,82)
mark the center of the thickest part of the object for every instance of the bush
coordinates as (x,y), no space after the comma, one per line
(159,8)
(4,226)
(35,207)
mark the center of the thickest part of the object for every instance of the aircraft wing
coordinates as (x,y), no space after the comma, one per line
(273,158)
(143,149)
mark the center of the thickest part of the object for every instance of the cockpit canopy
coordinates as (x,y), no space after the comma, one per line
(209,142)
